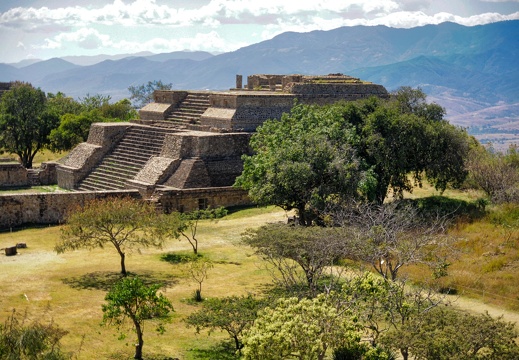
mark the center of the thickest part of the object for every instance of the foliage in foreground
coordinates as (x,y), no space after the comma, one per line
(301,329)
(233,314)
(24,340)
(131,299)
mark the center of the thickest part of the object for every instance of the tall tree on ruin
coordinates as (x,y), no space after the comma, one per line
(25,122)
(366,149)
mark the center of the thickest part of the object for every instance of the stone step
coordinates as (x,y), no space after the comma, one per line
(125,161)
(190,109)
(96,183)
(127,158)
(139,151)
(119,170)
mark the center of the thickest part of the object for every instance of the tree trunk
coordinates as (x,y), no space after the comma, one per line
(405,353)
(140,341)
(123,266)
(238,344)
(302,215)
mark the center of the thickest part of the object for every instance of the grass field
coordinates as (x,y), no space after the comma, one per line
(70,288)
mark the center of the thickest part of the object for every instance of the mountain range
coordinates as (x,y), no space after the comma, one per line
(472,71)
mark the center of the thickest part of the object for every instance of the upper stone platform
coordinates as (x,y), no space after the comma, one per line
(264,97)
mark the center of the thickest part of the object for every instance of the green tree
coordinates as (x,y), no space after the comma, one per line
(75,125)
(121,110)
(390,312)
(73,129)
(302,161)
(61,104)
(24,340)
(301,329)
(233,314)
(315,155)
(25,122)
(143,94)
(131,299)
(124,223)
(92,102)
(395,145)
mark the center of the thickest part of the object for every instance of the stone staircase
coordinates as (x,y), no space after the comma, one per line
(190,109)
(129,156)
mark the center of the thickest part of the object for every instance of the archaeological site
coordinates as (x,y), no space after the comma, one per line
(184,152)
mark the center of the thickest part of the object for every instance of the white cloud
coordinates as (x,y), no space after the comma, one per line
(217,12)
(85,38)
(210,41)
(218,25)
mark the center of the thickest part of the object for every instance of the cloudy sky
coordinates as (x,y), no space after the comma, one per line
(44,29)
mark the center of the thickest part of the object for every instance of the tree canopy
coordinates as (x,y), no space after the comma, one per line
(233,314)
(300,329)
(320,154)
(124,223)
(76,117)
(131,298)
(302,160)
(25,122)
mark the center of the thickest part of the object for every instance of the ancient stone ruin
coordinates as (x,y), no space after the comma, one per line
(191,142)
(184,153)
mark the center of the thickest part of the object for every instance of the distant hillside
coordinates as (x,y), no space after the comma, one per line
(465,69)
(92,60)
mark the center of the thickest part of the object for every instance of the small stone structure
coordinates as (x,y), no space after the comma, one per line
(14,175)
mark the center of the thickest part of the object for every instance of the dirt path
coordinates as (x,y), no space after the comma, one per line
(480,307)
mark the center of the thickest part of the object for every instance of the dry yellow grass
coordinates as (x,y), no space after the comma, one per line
(70,288)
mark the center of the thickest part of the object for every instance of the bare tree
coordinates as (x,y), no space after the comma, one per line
(393,235)
(297,255)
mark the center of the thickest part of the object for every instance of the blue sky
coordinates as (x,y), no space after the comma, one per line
(44,29)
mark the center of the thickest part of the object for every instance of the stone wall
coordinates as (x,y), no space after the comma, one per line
(193,199)
(338,89)
(16,176)
(46,208)
(200,159)
(51,208)
(245,111)
(5,86)
(13,175)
